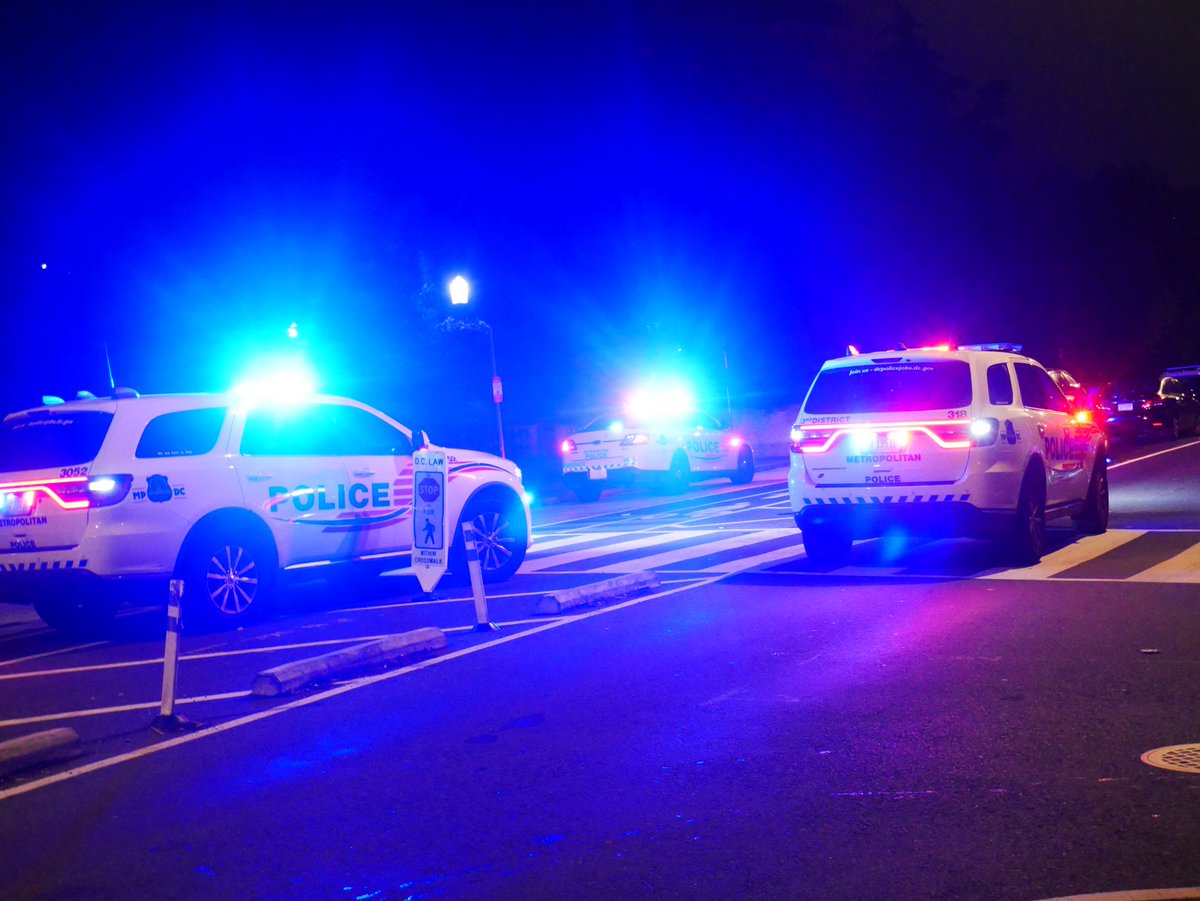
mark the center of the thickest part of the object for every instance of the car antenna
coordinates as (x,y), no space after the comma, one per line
(112,383)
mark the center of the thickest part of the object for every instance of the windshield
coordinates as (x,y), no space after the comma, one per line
(46,439)
(891,387)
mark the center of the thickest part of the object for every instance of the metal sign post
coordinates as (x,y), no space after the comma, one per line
(430,539)
(167,720)
(482,624)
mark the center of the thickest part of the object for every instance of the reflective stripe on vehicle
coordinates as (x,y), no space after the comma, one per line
(44,566)
(889,499)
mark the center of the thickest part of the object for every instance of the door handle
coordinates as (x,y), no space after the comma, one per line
(364,472)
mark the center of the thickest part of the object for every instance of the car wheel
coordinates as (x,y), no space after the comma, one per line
(676,479)
(228,577)
(588,492)
(1028,539)
(827,544)
(72,610)
(1094,518)
(1176,431)
(500,537)
(745,467)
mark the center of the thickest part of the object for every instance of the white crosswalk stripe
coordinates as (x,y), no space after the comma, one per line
(1158,555)
(1086,548)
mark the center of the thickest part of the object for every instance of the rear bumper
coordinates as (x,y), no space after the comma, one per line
(942,517)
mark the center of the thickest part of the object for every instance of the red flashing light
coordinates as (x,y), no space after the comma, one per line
(568,446)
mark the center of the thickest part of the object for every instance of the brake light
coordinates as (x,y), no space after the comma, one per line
(72,493)
(104,491)
(635,438)
(568,446)
(953,434)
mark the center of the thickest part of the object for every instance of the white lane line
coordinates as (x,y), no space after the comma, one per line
(698,550)
(322,696)
(1183,567)
(153,661)
(124,708)
(744,563)
(1083,550)
(76,647)
(579,538)
(647,540)
(1169,450)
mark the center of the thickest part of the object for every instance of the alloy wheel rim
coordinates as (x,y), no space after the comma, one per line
(232,580)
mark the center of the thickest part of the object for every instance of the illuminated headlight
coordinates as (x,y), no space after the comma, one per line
(568,446)
(636,438)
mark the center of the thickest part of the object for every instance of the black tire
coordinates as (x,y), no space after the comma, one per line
(75,610)
(500,537)
(1027,541)
(1094,518)
(827,544)
(229,577)
(744,474)
(1176,431)
(588,492)
(678,477)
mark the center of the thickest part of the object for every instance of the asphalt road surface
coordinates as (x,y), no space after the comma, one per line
(924,723)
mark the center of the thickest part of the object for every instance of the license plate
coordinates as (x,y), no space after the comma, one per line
(1124,408)
(597,473)
(17,504)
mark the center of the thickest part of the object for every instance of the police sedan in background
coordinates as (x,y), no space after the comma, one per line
(659,440)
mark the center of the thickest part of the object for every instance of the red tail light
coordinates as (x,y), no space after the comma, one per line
(72,493)
(951,434)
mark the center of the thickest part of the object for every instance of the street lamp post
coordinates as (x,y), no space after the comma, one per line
(460,294)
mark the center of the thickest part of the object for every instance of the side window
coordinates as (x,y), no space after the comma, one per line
(363,434)
(187,433)
(1055,398)
(292,430)
(1038,389)
(999,382)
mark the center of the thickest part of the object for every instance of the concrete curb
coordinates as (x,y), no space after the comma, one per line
(557,601)
(40,747)
(292,676)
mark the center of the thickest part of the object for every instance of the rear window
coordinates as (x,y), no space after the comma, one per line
(186,433)
(891,387)
(48,439)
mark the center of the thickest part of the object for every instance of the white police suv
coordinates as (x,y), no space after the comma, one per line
(103,494)
(665,446)
(971,440)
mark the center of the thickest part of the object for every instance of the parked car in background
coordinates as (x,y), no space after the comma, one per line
(1138,410)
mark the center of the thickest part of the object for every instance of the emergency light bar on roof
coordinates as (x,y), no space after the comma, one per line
(999,346)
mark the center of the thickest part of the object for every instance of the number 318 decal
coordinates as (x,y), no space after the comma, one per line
(957,414)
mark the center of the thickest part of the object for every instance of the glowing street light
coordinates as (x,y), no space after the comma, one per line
(460,292)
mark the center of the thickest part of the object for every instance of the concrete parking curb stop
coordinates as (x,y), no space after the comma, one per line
(40,747)
(557,601)
(290,677)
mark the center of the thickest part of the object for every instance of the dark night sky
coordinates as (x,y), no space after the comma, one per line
(628,186)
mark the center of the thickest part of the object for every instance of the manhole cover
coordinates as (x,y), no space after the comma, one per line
(1180,758)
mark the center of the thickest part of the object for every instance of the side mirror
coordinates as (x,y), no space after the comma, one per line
(419,439)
